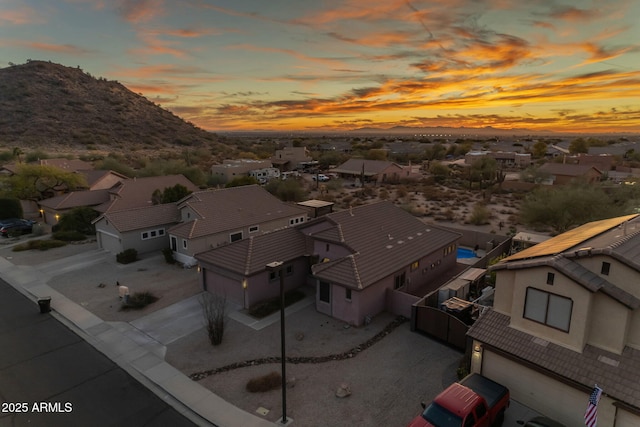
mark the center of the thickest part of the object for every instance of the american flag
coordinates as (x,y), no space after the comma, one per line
(591,415)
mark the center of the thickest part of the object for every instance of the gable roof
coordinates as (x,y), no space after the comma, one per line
(232,208)
(137,192)
(94,176)
(143,217)
(382,238)
(249,256)
(622,382)
(76,199)
(371,167)
(567,169)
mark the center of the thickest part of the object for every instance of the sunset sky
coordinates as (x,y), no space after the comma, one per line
(330,65)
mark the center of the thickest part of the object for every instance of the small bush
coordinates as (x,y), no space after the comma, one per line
(271,381)
(42,245)
(128,256)
(140,300)
(168,256)
(68,236)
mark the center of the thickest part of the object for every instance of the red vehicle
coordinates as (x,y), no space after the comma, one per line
(476,401)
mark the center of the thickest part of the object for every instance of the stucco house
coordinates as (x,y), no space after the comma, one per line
(360,262)
(566,317)
(564,173)
(53,208)
(378,171)
(143,229)
(212,218)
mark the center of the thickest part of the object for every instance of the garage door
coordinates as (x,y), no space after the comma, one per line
(109,243)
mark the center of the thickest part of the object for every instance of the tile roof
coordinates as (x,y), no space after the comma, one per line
(249,256)
(94,176)
(232,208)
(618,375)
(143,217)
(382,239)
(566,169)
(137,192)
(371,167)
(76,199)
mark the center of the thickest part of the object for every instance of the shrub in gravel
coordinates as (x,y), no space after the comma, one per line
(271,381)
(128,256)
(68,236)
(42,245)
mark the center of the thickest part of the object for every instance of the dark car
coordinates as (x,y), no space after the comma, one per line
(541,422)
(15,226)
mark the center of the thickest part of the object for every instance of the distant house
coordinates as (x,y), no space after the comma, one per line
(378,171)
(213,218)
(143,229)
(360,262)
(503,159)
(290,158)
(566,316)
(561,173)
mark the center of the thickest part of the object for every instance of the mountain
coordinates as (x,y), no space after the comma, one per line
(44,105)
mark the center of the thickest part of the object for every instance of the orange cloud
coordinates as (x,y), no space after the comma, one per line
(136,11)
(22,16)
(58,48)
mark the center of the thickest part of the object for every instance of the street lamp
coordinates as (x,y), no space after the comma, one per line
(276,267)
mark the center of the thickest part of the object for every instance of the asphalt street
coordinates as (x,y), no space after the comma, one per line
(50,376)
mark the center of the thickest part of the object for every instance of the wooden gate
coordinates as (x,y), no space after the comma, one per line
(441,325)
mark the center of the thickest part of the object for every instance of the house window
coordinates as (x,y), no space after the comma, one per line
(325,292)
(415,265)
(161,232)
(550,277)
(399,281)
(253,228)
(347,294)
(327,248)
(234,237)
(184,243)
(153,233)
(605,268)
(549,309)
(289,270)
(272,275)
(145,235)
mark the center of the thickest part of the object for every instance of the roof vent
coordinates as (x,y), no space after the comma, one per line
(608,361)
(540,341)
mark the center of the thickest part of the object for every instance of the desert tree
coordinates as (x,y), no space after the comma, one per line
(37,182)
(214,311)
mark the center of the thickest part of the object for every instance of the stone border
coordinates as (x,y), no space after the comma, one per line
(197,376)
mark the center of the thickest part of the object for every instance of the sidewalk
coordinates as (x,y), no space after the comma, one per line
(138,353)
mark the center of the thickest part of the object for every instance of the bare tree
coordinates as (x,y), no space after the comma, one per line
(214,310)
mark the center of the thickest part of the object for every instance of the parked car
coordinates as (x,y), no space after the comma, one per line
(475,401)
(320,177)
(541,422)
(15,225)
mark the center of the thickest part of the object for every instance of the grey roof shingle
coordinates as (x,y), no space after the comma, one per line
(382,238)
(232,208)
(144,217)
(249,256)
(621,382)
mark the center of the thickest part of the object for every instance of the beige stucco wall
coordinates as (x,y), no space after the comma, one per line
(609,323)
(563,286)
(633,334)
(503,297)
(545,395)
(620,274)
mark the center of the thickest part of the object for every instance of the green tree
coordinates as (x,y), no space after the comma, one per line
(564,207)
(241,180)
(483,169)
(79,219)
(439,171)
(539,149)
(289,190)
(578,145)
(169,194)
(37,182)
(376,154)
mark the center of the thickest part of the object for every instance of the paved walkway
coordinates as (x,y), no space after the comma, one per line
(139,350)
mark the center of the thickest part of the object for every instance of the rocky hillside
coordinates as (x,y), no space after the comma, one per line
(43,104)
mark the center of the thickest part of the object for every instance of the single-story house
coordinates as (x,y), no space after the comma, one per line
(53,208)
(564,173)
(378,171)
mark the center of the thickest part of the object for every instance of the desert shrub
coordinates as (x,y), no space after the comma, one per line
(127,256)
(42,245)
(480,214)
(168,256)
(78,219)
(68,235)
(214,310)
(271,381)
(140,300)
